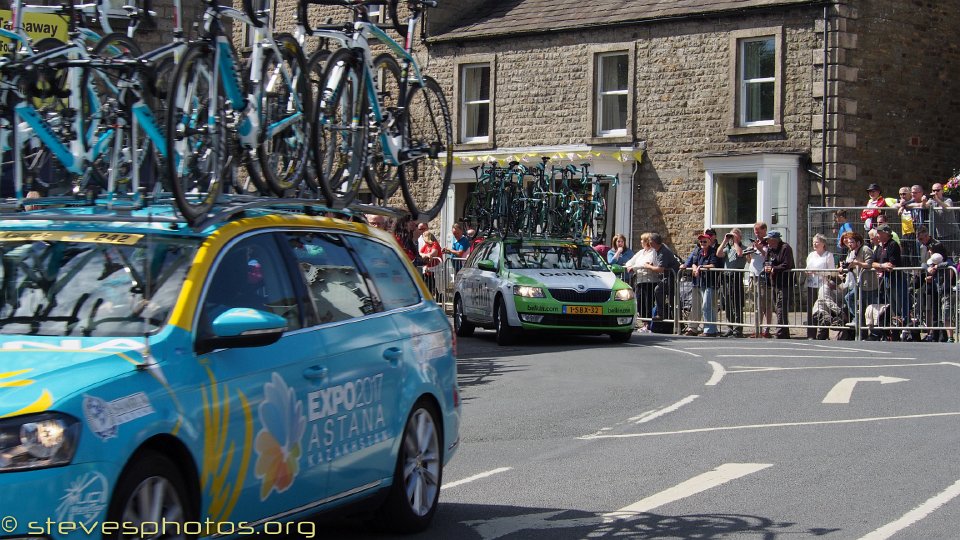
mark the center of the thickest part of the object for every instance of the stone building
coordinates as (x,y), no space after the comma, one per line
(712,113)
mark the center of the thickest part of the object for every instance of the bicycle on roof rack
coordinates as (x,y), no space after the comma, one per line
(356,129)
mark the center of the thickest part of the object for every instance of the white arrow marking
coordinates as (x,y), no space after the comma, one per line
(842,391)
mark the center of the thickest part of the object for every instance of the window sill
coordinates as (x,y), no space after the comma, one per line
(618,139)
(485,145)
(755,130)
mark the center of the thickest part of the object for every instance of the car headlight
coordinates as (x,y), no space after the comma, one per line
(528,292)
(36,441)
(624,295)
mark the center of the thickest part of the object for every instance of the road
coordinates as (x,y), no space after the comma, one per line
(670,437)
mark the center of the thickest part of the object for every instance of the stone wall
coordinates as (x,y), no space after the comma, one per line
(899,63)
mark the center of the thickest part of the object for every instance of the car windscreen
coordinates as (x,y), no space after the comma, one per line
(90,285)
(565,256)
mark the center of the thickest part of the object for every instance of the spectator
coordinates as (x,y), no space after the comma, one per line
(887,257)
(758,253)
(777,265)
(700,263)
(843,227)
(378,221)
(881,219)
(712,233)
(405,231)
(819,261)
(937,284)
(619,252)
(421,228)
(733,256)
(459,247)
(827,310)
(646,280)
(666,265)
(874,238)
(869,214)
(943,222)
(860,278)
(902,206)
(599,244)
(919,216)
(430,253)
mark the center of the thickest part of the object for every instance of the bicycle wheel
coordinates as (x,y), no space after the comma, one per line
(196,133)
(284,115)
(382,177)
(425,173)
(340,129)
(315,67)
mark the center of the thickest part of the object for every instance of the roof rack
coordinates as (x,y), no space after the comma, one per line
(227,207)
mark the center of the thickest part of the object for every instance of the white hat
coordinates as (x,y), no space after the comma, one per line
(935,259)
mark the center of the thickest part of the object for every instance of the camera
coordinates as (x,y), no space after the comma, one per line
(844,265)
(728,235)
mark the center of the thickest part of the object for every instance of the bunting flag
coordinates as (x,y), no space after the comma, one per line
(556,158)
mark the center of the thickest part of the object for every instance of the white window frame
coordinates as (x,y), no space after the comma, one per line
(602,93)
(465,137)
(375,13)
(736,109)
(746,83)
(769,168)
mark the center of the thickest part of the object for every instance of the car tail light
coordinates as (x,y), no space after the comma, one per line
(456,396)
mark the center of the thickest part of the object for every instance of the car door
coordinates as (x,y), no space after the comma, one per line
(469,281)
(254,414)
(488,283)
(351,401)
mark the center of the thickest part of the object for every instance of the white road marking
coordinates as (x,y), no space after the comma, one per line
(761,369)
(718,373)
(843,390)
(491,529)
(851,349)
(676,350)
(808,356)
(475,477)
(719,476)
(741,349)
(666,410)
(637,417)
(777,425)
(916,514)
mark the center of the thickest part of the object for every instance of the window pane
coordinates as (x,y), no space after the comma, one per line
(336,287)
(251,275)
(613,70)
(759,102)
(758,59)
(477,117)
(734,199)
(613,112)
(389,274)
(476,83)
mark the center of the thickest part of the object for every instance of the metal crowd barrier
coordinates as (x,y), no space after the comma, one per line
(822,303)
(440,279)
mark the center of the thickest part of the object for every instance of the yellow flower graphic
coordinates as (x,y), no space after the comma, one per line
(278,441)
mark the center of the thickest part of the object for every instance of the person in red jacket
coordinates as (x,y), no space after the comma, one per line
(876,200)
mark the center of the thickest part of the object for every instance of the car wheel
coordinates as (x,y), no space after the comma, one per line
(461,325)
(149,491)
(415,493)
(621,337)
(506,334)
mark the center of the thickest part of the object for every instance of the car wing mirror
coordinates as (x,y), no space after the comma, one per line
(487,265)
(242,327)
(616,268)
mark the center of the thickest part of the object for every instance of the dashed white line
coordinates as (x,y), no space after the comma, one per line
(475,477)
(809,356)
(676,350)
(916,514)
(665,410)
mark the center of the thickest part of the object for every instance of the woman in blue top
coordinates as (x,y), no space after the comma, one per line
(619,252)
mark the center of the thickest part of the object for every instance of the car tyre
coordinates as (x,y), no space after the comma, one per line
(152,481)
(415,494)
(461,325)
(621,337)
(506,334)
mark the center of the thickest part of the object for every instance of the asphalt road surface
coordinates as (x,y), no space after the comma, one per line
(669,437)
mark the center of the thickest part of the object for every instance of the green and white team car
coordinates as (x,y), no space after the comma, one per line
(515,285)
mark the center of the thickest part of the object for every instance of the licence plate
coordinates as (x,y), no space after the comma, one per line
(583,310)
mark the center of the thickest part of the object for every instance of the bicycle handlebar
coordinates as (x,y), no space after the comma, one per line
(252,13)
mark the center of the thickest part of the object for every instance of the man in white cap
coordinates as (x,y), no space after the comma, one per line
(937,279)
